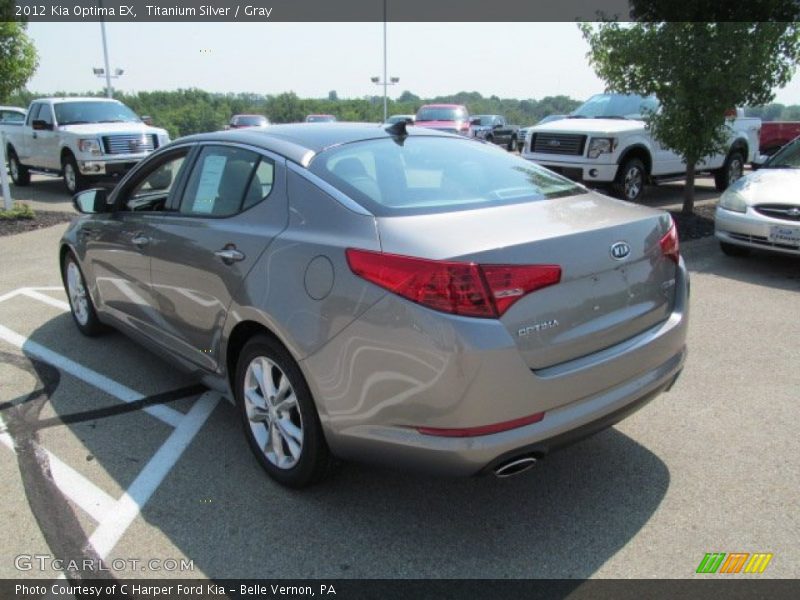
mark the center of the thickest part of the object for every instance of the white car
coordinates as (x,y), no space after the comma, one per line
(762,210)
(79,139)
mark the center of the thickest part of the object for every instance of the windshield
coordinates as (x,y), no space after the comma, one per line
(787,157)
(320,119)
(441,113)
(71,113)
(250,121)
(616,106)
(422,175)
(483,120)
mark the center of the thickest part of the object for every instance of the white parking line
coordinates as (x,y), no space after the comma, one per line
(32,293)
(168,415)
(128,507)
(90,498)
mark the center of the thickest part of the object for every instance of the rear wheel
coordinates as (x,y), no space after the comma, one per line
(731,170)
(512,143)
(278,413)
(629,184)
(733,249)
(80,302)
(19,173)
(490,139)
(74,181)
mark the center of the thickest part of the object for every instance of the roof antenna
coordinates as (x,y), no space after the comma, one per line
(399,128)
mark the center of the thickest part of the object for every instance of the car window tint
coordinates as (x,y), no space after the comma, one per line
(152,191)
(260,185)
(218,181)
(45,114)
(33,113)
(12,116)
(435,174)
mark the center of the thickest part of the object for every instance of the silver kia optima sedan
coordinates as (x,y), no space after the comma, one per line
(388,294)
(762,210)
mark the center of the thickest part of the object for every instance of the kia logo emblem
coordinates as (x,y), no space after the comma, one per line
(620,250)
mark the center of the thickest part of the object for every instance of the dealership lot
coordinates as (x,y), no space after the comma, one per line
(709,467)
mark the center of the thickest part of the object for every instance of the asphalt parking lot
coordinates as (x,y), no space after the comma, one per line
(120,457)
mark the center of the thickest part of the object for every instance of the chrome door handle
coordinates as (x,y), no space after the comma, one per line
(229,255)
(140,240)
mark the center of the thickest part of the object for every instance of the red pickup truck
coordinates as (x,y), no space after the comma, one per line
(775,134)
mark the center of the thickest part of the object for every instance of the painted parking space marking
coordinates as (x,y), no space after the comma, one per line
(113,515)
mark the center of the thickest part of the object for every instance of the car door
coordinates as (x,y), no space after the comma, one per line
(43,144)
(233,204)
(118,244)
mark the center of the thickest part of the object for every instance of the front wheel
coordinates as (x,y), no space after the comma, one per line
(629,183)
(80,302)
(20,174)
(512,143)
(74,181)
(279,417)
(731,171)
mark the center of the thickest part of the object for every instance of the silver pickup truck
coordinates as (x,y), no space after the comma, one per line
(80,139)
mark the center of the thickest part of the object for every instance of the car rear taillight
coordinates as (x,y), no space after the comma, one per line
(669,244)
(459,288)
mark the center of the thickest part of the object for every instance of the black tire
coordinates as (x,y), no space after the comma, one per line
(490,138)
(734,250)
(630,180)
(512,144)
(85,317)
(314,461)
(20,174)
(74,181)
(732,169)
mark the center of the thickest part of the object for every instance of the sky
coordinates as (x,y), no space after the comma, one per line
(510,60)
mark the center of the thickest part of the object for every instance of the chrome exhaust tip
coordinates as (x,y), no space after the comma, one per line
(515,467)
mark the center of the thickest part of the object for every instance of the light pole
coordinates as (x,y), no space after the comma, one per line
(107,70)
(386,81)
(108,77)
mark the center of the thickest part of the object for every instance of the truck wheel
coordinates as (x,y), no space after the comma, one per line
(731,170)
(19,173)
(629,184)
(512,144)
(74,181)
(489,138)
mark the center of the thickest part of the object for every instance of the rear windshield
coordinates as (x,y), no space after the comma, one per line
(320,119)
(250,121)
(441,113)
(73,113)
(422,175)
(787,157)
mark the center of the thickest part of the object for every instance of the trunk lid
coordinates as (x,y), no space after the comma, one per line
(600,301)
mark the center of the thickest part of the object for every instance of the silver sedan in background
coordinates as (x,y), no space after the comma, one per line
(389,294)
(762,210)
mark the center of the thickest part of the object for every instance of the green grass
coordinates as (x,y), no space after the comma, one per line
(19,211)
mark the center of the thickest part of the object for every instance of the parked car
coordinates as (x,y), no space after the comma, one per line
(762,210)
(452,118)
(320,119)
(80,139)
(495,129)
(321,278)
(775,134)
(12,115)
(397,118)
(522,133)
(605,142)
(238,121)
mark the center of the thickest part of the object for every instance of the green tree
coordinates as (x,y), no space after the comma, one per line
(698,71)
(18,58)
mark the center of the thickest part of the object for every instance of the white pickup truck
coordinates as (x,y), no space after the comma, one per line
(79,139)
(605,141)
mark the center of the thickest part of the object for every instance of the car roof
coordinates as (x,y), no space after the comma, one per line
(300,142)
(76,99)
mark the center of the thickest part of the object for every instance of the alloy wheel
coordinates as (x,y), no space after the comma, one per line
(77,293)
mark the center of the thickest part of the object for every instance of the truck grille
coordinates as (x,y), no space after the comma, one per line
(129,144)
(558,143)
(779,211)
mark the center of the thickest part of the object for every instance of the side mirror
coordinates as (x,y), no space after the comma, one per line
(91,202)
(40,125)
(497,126)
(475,122)
(147,120)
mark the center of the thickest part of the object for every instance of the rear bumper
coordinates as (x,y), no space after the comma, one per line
(400,366)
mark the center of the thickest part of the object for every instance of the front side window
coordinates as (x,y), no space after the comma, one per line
(226,180)
(45,114)
(422,174)
(151,190)
(75,113)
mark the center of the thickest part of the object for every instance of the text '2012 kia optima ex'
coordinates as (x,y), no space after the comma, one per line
(397,295)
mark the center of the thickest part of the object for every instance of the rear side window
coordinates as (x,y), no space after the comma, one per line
(422,175)
(225,181)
